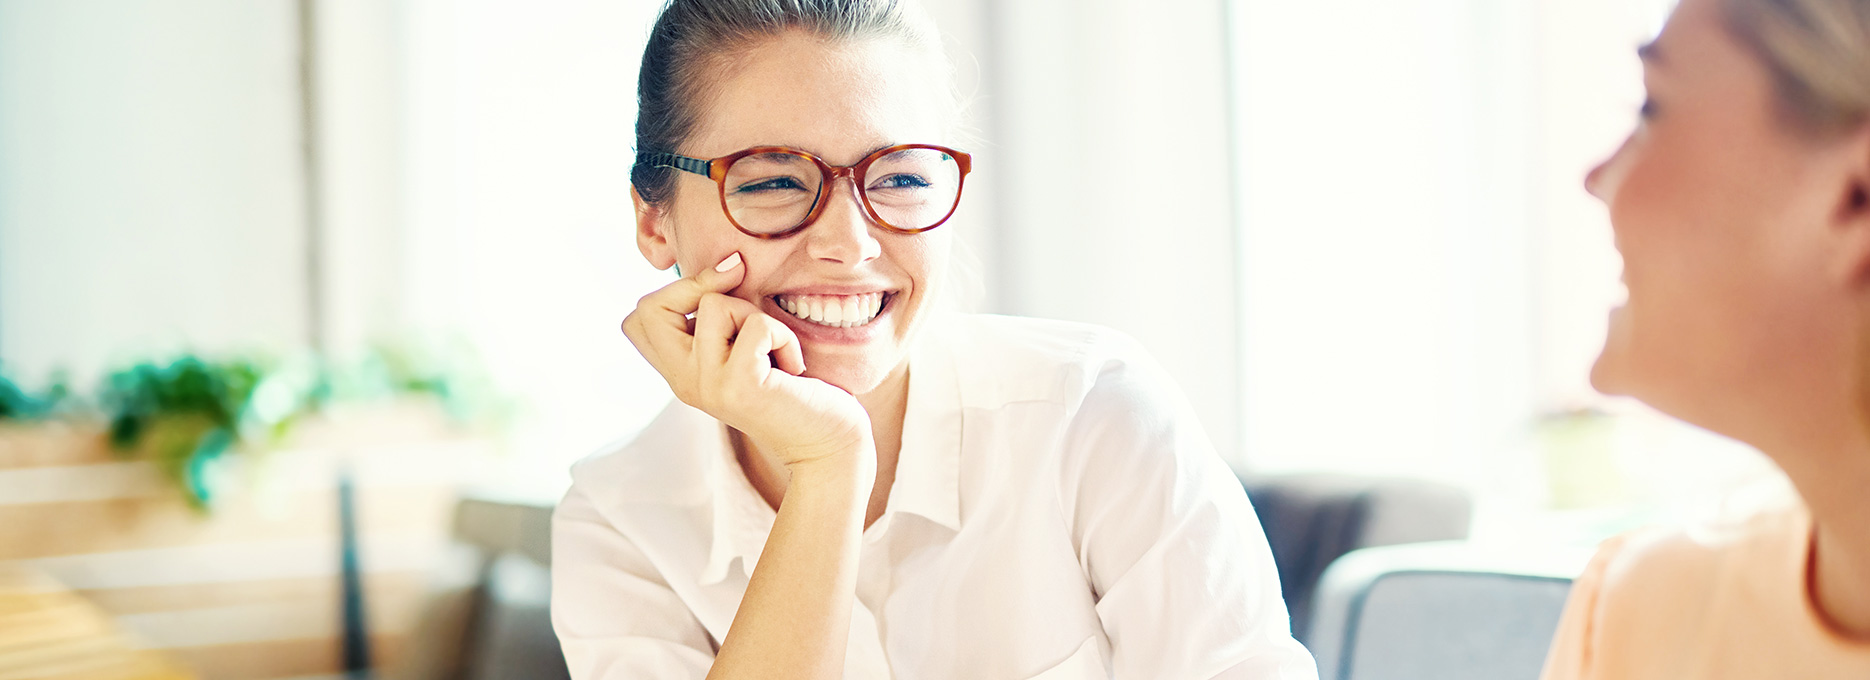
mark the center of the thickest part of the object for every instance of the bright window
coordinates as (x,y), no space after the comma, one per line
(1425,281)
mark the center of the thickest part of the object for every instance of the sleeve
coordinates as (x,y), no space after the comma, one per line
(1570,657)
(1184,579)
(615,616)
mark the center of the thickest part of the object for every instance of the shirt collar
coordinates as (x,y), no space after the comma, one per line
(741,518)
(929,466)
(927,470)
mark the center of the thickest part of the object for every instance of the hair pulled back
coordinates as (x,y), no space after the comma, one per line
(694,40)
(1818,52)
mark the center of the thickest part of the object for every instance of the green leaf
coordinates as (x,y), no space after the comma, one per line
(197,472)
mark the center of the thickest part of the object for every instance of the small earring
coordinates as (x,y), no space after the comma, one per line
(678,271)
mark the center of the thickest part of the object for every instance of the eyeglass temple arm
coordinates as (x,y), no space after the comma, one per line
(669,160)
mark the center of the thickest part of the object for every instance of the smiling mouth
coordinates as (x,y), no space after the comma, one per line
(835,311)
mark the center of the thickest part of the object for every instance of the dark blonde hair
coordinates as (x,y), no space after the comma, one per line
(1818,52)
(694,40)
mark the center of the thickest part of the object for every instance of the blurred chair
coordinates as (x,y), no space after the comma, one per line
(1312,519)
(488,619)
(1439,611)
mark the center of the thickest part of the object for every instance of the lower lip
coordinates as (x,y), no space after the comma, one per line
(854,335)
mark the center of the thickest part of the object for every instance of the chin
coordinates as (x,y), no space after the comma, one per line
(857,383)
(1607,375)
(855,377)
(1610,373)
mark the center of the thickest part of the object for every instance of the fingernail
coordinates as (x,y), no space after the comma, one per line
(731,262)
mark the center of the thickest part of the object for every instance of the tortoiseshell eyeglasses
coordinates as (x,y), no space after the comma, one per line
(773,192)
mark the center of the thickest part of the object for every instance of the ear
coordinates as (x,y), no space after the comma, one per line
(654,236)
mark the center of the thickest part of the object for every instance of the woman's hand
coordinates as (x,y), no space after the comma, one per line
(745,368)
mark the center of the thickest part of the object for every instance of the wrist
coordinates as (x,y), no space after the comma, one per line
(852,446)
(845,468)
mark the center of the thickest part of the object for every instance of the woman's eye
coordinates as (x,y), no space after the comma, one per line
(1647,110)
(770,184)
(902,181)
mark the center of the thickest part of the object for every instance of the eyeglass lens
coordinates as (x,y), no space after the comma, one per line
(909,189)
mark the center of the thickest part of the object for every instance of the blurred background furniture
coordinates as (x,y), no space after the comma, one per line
(1439,611)
(249,590)
(1310,520)
(488,617)
(46,631)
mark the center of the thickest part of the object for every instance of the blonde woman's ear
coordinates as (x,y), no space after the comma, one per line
(1847,237)
(653,234)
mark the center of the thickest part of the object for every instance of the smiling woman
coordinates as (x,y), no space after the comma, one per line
(1741,205)
(856,481)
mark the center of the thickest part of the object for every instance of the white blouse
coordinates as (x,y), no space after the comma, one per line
(1057,513)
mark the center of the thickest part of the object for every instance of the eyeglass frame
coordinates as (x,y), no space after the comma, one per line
(716,169)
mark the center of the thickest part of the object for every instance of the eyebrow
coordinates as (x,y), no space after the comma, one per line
(880,148)
(773,156)
(866,154)
(904,152)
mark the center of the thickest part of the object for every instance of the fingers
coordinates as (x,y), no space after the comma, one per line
(718,319)
(660,327)
(700,338)
(669,307)
(761,337)
(787,354)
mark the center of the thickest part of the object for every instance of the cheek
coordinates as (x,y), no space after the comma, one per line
(1700,272)
(702,234)
(1683,233)
(926,258)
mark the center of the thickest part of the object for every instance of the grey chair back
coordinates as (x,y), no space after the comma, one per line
(489,617)
(1312,519)
(1438,611)
(512,637)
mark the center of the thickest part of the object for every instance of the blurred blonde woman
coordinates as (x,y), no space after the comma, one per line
(855,483)
(1741,204)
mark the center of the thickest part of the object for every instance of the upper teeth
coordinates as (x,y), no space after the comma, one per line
(839,311)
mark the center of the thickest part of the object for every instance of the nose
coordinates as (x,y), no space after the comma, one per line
(1594,178)
(842,233)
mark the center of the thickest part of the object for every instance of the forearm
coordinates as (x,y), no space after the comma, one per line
(794,621)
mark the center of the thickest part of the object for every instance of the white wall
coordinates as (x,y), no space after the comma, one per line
(1109,131)
(519,121)
(1388,282)
(360,103)
(149,179)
